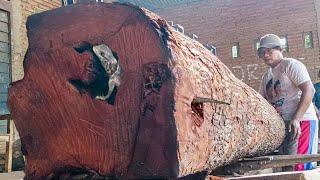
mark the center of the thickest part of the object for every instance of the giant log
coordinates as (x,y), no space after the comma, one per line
(163,106)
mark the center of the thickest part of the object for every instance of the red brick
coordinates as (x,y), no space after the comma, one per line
(222,23)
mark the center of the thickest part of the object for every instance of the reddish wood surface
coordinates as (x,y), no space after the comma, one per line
(152,129)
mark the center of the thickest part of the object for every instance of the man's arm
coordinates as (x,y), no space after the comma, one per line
(317,112)
(305,100)
(261,88)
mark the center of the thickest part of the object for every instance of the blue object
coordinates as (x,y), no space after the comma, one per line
(316,97)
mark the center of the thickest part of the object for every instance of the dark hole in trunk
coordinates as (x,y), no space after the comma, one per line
(197,108)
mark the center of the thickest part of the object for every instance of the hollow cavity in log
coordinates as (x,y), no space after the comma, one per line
(104,73)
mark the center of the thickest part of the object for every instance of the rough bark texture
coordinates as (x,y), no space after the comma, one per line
(152,128)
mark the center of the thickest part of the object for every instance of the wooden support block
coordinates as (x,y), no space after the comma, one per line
(295,175)
(9,142)
(9,149)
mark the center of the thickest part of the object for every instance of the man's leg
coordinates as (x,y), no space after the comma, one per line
(289,146)
(307,143)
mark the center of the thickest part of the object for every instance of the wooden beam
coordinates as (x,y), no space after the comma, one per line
(9,149)
(294,175)
(5,116)
(264,162)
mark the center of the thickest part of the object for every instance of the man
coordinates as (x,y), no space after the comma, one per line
(287,86)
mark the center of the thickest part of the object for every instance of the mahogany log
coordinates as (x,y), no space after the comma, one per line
(178,110)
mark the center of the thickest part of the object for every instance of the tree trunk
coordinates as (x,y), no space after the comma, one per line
(174,109)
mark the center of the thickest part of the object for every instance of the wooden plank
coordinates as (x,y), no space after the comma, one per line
(5,116)
(8,165)
(294,175)
(265,162)
(299,157)
(288,176)
(3,151)
(15,175)
(285,157)
(4,138)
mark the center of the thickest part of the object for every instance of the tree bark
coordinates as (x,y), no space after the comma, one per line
(178,110)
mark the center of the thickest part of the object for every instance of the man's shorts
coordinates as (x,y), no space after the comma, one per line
(307,143)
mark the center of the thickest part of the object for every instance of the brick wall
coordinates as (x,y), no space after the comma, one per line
(21,9)
(153,5)
(224,22)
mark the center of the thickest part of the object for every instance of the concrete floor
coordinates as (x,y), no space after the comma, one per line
(15,175)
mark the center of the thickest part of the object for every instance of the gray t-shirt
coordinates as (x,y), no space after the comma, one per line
(279,86)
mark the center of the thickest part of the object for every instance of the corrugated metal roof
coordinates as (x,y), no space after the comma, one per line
(157,4)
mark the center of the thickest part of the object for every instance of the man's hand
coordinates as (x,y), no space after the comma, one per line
(294,129)
(307,90)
